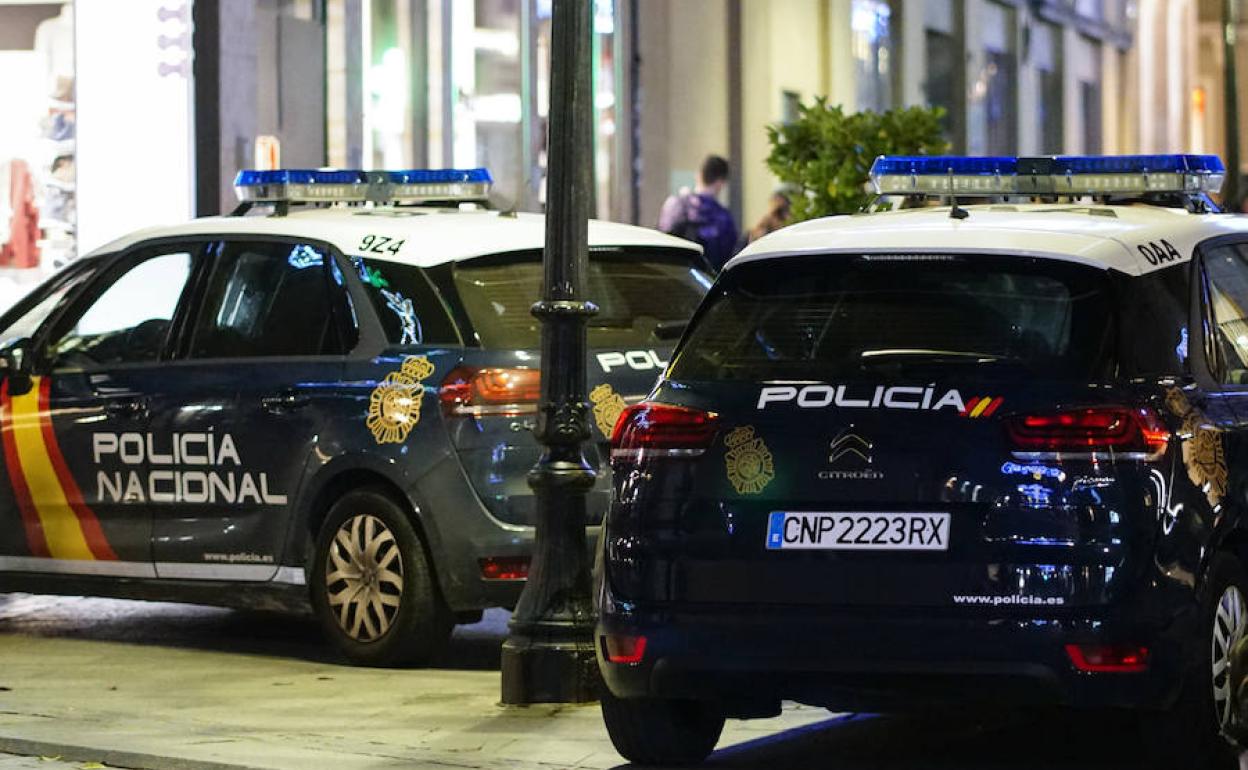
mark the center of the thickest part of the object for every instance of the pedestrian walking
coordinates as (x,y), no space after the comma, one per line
(698,215)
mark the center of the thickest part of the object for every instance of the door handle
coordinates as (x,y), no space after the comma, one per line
(126,408)
(286,401)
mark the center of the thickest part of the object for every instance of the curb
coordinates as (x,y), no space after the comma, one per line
(110,757)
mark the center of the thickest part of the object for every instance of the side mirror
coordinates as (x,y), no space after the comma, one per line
(15,366)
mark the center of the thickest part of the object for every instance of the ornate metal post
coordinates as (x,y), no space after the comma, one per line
(1231,191)
(549,655)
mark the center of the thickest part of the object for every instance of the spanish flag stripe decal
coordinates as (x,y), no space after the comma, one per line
(981,406)
(30,517)
(61,529)
(87,521)
(996,402)
(970,406)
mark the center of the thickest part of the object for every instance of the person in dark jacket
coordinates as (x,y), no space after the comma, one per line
(699,216)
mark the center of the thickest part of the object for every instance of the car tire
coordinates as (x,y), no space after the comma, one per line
(1189,735)
(373,587)
(660,731)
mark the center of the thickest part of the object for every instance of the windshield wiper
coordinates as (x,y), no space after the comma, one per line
(902,356)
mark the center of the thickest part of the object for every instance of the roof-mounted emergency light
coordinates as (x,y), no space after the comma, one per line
(1118,175)
(351,186)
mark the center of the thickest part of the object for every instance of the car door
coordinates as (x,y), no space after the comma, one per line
(1217,451)
(76,445)
(244,406)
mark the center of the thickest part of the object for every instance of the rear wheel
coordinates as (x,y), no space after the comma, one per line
(1193,733)
(372,585)
(659,731)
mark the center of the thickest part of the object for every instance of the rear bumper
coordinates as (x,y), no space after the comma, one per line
(877,663)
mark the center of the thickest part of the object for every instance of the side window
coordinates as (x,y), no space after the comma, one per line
(266,299)
(410,309)
(1226,271)
(129,320)
(1153,335)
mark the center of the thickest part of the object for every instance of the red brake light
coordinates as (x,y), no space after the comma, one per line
(1108,658)
(471,391)
(505,568)
(1135,432)
(662,429)
(624,649)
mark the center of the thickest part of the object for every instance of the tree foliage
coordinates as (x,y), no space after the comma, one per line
(826,154)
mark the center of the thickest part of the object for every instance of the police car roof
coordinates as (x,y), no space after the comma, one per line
(1107,236)
(427,236)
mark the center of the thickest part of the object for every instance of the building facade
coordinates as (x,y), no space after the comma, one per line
(202,88)
(1045,76)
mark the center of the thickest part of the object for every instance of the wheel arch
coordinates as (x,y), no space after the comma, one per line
(345,474)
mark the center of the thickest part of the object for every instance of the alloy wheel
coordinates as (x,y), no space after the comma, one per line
(364,577)
(1230,622)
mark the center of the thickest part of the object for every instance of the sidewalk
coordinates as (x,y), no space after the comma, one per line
(155,706)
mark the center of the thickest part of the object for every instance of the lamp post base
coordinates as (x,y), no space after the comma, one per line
(554,665)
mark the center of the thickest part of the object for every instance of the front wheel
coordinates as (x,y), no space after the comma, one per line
(372,586)
(660,731)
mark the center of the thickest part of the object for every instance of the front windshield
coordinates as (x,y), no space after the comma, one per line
(33,316)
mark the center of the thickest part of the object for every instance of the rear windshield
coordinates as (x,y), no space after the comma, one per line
(838,317)
(642,297)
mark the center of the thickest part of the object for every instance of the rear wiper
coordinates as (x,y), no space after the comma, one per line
(926,356)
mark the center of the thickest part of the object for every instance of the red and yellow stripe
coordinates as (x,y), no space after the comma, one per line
(58,522)
(982,406)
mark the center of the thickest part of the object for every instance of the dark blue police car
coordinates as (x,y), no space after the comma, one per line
(988,454)
(327,403)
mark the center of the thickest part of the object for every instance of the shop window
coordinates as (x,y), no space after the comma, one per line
(267,299)
(129,321)
(464,83)
(1049,108)
(38,198)
(992,88)
(1090,96)
(872,48)
(942,60)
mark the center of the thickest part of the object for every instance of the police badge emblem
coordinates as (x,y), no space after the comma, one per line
(607,408)
(748,461)
(394,405)
(1204,456)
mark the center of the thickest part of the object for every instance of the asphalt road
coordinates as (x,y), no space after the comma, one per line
(949,741)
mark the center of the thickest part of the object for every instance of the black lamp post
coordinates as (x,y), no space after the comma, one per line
(549,654)
(1231,191)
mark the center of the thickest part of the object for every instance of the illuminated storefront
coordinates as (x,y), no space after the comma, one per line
(463,83)
(97,94)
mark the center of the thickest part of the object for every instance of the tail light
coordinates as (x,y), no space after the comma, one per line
(1137,434)
(1108,658)
(628,650)
(507,392)
(505,568)
(650,429)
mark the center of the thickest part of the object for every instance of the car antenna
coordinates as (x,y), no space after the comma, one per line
(956,212)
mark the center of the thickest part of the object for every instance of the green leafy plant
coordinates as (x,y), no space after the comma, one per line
(826,154)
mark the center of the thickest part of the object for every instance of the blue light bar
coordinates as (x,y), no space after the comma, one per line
(1068,175)
(355,186)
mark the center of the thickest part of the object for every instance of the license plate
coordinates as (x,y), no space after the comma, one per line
(858,531)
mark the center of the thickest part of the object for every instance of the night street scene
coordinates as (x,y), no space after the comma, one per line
(604,384)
